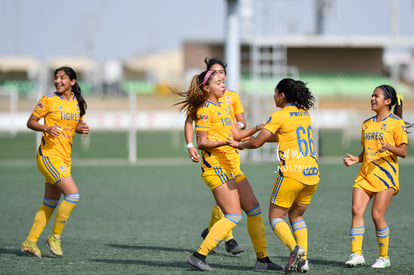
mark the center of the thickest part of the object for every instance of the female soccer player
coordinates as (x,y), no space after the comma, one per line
(219,169)
(384,139)
(298,174)
(63,112)
(232,99)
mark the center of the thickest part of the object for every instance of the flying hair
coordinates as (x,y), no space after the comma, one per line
(195,96)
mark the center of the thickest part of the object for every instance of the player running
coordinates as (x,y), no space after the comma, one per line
(63,113)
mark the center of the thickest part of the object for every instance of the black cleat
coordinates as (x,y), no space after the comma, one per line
(267,265)
(199,264)
(233,247)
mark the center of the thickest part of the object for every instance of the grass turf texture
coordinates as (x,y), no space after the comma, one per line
(148,219)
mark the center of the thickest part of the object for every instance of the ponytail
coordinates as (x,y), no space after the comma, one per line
(195,96)
(81,101)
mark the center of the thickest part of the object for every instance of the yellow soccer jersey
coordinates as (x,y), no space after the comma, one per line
(379,171)
(57,111)
(217,121)
(233,100)
(296,150)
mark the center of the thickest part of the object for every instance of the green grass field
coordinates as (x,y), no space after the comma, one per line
(151,145)
(147,218)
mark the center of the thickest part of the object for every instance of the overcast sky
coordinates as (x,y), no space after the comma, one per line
(116,29)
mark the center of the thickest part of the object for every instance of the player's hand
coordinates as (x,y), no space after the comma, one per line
(350,160)
(54,130)
(85,128)
(193,154)
(233,143)
(261,126)
(383,148)
(246,139)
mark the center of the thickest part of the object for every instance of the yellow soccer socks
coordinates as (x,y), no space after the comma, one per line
(217,232)
(383,239)
(282,230)
(357,236)
(65,208)
(216,215)
(256,230)
(42,218)
(300,231)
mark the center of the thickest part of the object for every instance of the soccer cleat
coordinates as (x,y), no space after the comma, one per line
(54,245)
(215,250)
(199,264)
(267,265)
(31,248)
(233,247)
(382,262)
(303,266)
(297,254)
(354,260)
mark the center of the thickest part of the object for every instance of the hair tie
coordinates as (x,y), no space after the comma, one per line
(206,77)
(400,98)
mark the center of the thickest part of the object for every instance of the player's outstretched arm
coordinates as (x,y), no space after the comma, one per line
(255,142)
(239,134)
(350,160)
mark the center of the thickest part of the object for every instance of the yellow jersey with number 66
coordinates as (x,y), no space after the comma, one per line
(65,114)
(296,152)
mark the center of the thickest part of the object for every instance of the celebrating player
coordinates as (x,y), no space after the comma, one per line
(384,139)
(63,113)
(220,169)
(298,174)
(232,99)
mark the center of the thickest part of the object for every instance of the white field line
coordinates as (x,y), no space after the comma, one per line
(157,162)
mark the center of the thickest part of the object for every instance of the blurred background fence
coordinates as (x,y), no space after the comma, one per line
(130,103)
(133,127)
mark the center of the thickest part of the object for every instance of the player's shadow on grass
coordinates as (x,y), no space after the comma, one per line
(327,262)
(181,264)
(282,260)
(141,262)
(11,251)
(21,253)
(146,247)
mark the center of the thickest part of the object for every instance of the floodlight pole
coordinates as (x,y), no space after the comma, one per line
(395,38)
(232,45)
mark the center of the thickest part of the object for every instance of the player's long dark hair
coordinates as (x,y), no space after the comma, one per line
(296,92)
(214,60)
(194,97)
(390,92)
(75,88)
